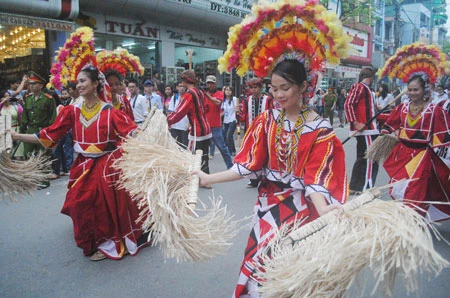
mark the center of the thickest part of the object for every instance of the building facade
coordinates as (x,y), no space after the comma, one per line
(163,33)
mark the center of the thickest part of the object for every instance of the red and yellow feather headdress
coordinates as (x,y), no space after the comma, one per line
(287,29)
(119,60)
(414,59)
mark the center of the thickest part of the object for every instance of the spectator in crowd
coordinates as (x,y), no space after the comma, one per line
(138,102)
(10,106)
(330,100)
(439,94)
(17,87)
(340,106)
(179,130)
(73,92)
(384,97)
(168,94)
(229,106)
(59,164)
(152,97)
(320,95)
(156,79)
(215,99)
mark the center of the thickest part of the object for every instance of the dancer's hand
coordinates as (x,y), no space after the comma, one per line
(321,205)
(13,134)
(359,126)
(202,178)
(328,208)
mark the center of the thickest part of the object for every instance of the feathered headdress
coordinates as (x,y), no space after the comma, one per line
(300,30)
(119,60)
(77,52)
(416,58)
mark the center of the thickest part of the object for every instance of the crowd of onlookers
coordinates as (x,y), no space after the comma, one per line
(226,112)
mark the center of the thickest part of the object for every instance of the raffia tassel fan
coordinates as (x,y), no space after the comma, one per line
(381,148)
(17,177)
(323,258)
(158,174)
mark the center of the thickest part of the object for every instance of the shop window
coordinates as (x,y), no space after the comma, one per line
(204,60)
(21,50)
(145,49)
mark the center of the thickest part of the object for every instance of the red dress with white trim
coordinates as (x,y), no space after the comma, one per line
(124,105)
(413,158)
(292,160)
(104,216)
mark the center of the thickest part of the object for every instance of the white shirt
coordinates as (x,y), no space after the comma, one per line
(382,102)
(155,99)
(438,98)
(173,104)
(139,105)
(229,108)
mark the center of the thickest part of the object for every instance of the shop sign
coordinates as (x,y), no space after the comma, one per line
(42,23)
(360,45)
(124,27)
(347,69)
(359,42)
(192,38)
(234,8)
(129,29)
(225,7)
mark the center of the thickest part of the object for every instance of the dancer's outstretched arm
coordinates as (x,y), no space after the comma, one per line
(27,138)
(225,176)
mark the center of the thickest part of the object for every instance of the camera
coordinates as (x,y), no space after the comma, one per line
(13,99)
(203,86)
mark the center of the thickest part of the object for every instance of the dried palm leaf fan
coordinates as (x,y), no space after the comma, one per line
(157,173)
(324,257)
(17,177)
(381,148)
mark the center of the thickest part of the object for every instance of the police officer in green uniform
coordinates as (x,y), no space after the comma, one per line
(39,111)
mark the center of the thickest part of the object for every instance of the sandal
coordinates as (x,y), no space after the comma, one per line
(98,256)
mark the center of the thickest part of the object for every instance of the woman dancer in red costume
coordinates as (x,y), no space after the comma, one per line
(420,127)
(293,150)
(104,216)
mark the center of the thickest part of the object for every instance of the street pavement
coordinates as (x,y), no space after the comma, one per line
(39,258)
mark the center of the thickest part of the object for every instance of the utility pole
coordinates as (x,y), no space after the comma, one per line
(396,24)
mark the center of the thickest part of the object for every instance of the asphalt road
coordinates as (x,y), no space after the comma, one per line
(39,258)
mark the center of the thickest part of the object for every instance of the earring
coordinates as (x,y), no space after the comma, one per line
(300,101)
(95,93)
